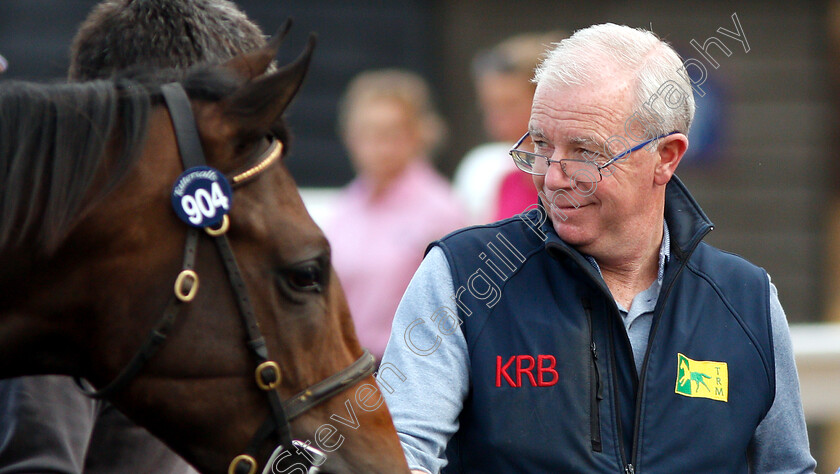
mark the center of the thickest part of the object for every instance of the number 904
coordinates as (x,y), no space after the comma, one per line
(203,204)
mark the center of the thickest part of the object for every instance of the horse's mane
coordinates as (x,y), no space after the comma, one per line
(53,140)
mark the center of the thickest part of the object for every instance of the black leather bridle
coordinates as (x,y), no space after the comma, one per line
(267,373)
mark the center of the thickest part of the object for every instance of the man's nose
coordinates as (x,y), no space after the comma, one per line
(555,178)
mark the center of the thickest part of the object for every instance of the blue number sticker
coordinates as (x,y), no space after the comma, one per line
(202,196)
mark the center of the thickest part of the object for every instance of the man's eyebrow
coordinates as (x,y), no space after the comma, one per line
(536,133)
(588,142)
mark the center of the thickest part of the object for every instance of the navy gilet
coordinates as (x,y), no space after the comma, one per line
(553,387)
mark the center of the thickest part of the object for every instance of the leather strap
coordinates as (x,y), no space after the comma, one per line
(330,386)
(156,336)
(189,145)
(256,343)
(183,121)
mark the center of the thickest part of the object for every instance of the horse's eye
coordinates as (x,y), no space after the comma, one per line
(307,277)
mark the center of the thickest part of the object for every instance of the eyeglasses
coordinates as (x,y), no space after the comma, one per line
(579,170)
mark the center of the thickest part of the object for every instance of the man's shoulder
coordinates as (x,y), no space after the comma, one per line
(710,258)
(734,278)
(513,239)
(514,229)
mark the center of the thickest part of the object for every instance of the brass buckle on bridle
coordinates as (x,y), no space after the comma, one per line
(221,230)
(261,380)
(234,468)
(186,285)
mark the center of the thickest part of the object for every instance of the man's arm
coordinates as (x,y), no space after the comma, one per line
(426,405)
(780,443)
(45,425)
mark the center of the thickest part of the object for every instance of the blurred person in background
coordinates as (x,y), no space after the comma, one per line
(486,179)
(3,64)
(46,423)
(383,220)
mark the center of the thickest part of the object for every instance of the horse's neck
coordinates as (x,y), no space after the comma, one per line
(35,337)
(14,263)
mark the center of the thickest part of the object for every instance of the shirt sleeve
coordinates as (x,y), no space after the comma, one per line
(45,425)
(780,443)
(425,366)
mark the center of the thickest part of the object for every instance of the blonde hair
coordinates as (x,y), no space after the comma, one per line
(405,87)
(519,54)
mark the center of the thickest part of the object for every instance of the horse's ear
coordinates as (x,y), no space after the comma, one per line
(258,104)
(255,63)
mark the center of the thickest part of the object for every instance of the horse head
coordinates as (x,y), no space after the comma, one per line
(92,256)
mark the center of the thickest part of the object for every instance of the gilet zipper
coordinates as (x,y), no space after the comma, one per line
(663,297)
(595,395)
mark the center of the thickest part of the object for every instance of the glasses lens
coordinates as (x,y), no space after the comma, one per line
(527,162)
(581,171)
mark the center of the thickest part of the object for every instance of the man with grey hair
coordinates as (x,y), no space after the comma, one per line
(596,332)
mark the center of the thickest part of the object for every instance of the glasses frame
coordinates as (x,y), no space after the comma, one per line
(549,161)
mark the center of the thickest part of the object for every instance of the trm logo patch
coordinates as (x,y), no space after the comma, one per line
(702,379)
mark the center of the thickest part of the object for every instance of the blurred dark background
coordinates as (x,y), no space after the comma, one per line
(764,167)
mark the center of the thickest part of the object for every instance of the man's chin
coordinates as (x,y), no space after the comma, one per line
(573,232)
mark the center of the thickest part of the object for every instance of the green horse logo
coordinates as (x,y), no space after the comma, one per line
(689,376)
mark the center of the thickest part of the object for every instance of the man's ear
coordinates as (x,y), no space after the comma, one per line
(670,152)
(258,104)
(255,63)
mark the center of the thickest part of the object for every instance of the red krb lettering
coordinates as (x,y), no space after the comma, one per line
(525,370)
(501,371)
(542,369)
(525,364)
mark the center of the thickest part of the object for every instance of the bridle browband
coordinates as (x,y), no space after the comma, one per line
(267,372)
(269,156)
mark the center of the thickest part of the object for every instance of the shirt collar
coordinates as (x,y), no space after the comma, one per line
(664,254)
(664,251)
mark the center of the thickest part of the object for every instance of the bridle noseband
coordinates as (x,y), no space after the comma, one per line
(267,373)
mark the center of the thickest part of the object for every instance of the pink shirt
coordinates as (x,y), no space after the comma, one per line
(516,193)
(378,245)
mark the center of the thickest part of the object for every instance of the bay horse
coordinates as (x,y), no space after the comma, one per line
(103,281)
